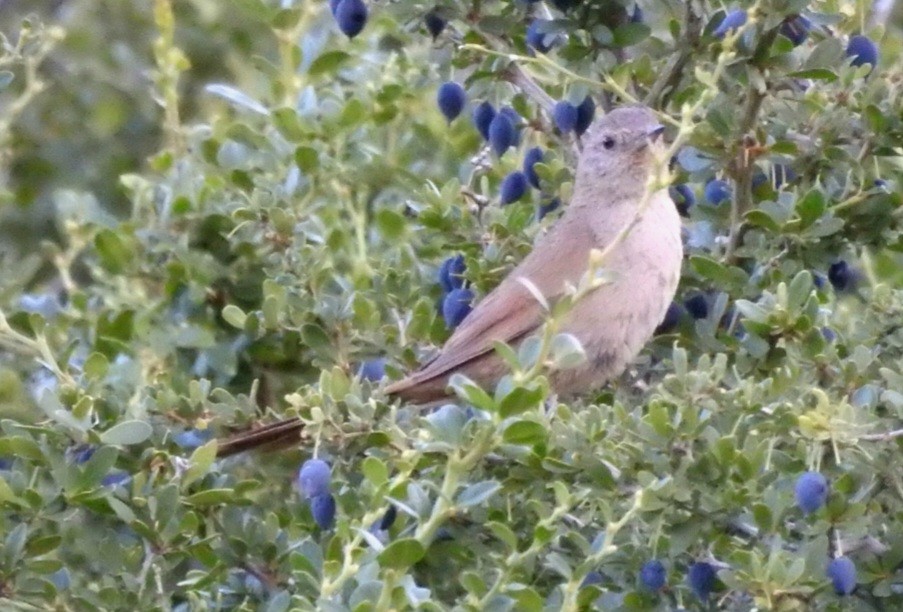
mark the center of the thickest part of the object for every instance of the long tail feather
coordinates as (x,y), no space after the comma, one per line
(277,435)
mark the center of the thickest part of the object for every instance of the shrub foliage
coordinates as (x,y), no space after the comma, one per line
(215,212)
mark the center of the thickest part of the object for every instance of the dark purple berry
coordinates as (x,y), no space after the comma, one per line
(482,116)
(351,15)
(565,116)
(451,273)
(591,578)
(434,23)
(701,578)
(637,16)
(388,518)
(698,306)
(516,121)
(672,318)
(544,209)
(842,572)
(373,370)
(796,29)
(451,99)
(732,21)
(811,491)
(80,454)
(683,198)
(862,50)
(513,188)
(531,158)
(314,477)
(585,112)
(322,507)
(456,306)
(652,575)
(502,134)
(717,191)
(537,38)
(841,275)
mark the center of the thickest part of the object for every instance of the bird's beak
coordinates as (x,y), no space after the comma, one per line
(655,132)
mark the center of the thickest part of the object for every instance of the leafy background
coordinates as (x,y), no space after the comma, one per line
(213,211)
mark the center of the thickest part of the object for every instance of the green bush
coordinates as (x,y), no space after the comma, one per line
(215,212)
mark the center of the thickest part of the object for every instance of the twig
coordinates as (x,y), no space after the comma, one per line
(883,437)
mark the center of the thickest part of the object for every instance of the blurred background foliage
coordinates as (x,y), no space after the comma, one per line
(216,210)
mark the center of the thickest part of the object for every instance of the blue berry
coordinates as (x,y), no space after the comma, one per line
(373,370)
(683,198)
(637,16)
(717,191)
(842,572)
(451,273)
(502,134)
(116,478)
(828,334)
(702,577)
(796,29)
(698,306)
(451,99)
(435,23)
(564,5)
(862,50)
(192,438)
(811,491)
(880,184)
(322,507)
(482,116)
(80,454)
(841,275)
(565,116)
(537,38)
(351,15)
(314,477)
(732,21)
(653,575)
(456,306)
(544,209)
(516,121)
(532,157)
(388,518)
(672,318)
(513,187)
(592,577)
(585,112)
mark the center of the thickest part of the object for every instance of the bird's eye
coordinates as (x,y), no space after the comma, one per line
(608,142)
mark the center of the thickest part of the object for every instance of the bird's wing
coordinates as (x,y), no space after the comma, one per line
(510,312)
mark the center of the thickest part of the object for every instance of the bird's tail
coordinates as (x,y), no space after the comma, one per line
(276,435)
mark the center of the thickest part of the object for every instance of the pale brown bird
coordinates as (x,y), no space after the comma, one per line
(612,322)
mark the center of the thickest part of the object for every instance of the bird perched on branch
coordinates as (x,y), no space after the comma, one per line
(612,210)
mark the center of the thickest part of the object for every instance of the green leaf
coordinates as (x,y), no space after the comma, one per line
(816,74)
(211,497)
(126,433)
(234,316)
(375,471)
(525,432)
(810,207)
(401,554)
(519,400)
(328,62)
(201,460)
(115,255)
(477,493)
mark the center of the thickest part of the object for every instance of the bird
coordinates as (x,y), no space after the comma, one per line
(613,322)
